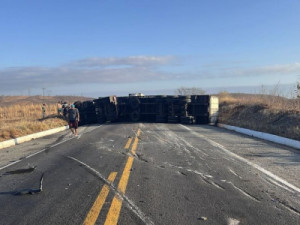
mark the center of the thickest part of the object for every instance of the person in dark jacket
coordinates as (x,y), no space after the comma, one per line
(65,108)
(73,118)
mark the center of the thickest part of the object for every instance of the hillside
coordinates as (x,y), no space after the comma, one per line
(271,114)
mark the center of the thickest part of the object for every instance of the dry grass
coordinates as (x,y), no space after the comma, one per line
(22,115)
(267,113)
(29,112)
(267,101)
(225,97)
(19,120)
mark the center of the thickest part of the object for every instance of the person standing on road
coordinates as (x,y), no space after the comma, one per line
(73,118)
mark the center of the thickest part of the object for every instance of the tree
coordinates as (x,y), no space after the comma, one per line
(189,91)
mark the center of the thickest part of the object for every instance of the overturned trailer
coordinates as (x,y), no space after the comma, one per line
(193,109)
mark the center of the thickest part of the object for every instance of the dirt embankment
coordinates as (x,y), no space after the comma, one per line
(264,117)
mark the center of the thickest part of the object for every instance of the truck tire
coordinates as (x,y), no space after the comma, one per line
(134,102)
(135,116)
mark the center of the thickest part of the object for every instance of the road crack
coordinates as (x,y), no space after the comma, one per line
(31,191)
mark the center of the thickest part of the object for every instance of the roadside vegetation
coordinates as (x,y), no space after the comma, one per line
(261,112)
(20,120)
(22,115)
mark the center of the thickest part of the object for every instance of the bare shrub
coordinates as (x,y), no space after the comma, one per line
(271,99)
(189,91)
(266,112)
(226,97)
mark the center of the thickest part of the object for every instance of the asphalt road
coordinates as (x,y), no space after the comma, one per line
(148,173)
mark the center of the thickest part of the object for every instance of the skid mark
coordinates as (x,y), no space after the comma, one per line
(191,146)
(217,185)
(210,182)
(244,192)
(261,169)
(146,220)
(290,208)
(279,185)
(234,173)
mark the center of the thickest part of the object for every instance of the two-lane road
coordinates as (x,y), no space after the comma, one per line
(150,174)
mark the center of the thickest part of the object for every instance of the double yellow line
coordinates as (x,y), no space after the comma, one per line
(115,208)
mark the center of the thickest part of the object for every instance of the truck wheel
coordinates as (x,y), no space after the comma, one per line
(135,116)
(134,102)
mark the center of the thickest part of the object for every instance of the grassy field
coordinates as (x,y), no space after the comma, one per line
(271,102)
(17,120)
(266,113)
(22,115)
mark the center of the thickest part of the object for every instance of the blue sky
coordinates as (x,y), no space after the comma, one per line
(99,48)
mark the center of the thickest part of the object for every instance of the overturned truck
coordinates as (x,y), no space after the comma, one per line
(192,109)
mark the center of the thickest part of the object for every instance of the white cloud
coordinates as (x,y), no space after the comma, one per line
(126,61)
(138,69)
(263,70)
(127,70)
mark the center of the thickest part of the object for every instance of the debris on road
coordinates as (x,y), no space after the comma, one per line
(202,218)
(31,191)
(19,171)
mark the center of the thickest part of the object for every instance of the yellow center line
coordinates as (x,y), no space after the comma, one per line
(100,200)
(116,205)
(115,208)
(135,143)
(114,212)
(134,146)
(125,176)
(128,143)
(138,132)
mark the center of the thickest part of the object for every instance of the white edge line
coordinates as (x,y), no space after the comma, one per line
(10,164)
(33,154)
(266,172)
(19,140)
(29,156)
(265,136)
(281,186)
